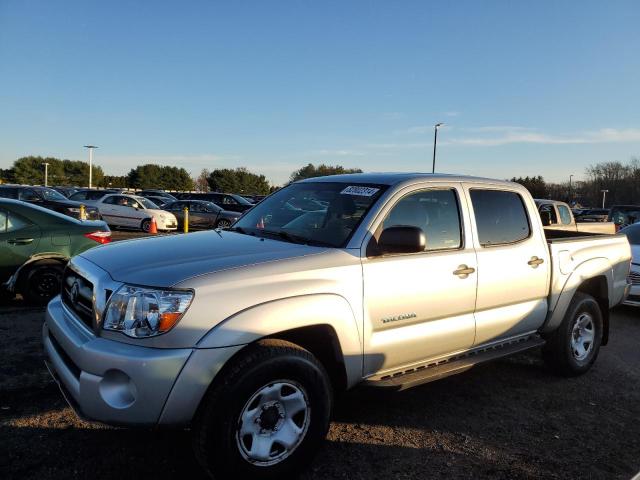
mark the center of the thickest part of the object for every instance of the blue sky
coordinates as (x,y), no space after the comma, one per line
(524,88)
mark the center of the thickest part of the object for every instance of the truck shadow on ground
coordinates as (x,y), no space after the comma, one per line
(510,419)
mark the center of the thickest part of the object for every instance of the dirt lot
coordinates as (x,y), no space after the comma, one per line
(509,419)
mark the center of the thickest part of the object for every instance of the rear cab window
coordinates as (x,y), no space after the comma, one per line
(501,217)
(565,214)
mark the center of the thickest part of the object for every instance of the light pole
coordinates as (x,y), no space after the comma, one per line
(435,142)
(604,196)
(46,174)
(570,196)
(90,147)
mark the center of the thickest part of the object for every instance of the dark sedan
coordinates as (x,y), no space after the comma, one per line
(202,214)
(227,201)
(48,198)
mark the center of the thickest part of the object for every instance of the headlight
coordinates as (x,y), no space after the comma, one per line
(144,312)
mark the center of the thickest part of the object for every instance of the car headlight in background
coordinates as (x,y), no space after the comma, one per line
(145,312)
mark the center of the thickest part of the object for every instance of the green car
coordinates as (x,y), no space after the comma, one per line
(35,245)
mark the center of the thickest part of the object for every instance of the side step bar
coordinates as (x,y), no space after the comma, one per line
(443,368)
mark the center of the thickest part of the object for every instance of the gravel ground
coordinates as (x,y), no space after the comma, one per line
(509,419)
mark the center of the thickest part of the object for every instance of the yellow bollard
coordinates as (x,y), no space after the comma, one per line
(83,212)
(185,223)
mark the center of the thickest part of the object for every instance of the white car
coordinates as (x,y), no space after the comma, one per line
(633,234)
(133,211)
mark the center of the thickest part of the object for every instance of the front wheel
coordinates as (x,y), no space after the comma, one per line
(224,223)
(574,346)
(145,226)
(267,416)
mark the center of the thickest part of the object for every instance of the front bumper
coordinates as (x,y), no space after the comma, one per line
(123,384)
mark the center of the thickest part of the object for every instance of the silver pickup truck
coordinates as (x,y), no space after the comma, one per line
(387,280)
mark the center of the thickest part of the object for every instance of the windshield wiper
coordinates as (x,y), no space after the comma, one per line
(240,230)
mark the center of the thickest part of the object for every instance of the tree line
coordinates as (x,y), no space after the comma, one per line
(30,170)
(621,180)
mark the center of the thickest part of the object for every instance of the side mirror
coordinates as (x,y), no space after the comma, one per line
(401,240)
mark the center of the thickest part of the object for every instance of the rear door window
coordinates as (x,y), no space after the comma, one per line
(501,217)
(29,194)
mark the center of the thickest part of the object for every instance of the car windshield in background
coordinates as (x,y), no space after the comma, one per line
(633,233)
(146,203)
(51,194)
(321,213)
(241,200)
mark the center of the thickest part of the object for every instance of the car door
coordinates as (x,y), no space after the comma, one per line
(19,240)
(513,263)
(420,306)
(177,208)
(107,208)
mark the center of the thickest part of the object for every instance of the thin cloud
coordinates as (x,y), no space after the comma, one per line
(452,114)
(510,135)
(336,153)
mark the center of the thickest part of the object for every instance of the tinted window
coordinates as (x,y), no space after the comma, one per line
(435,212)
(500,217)
(78,196)
(176,206)
(548,214)
(3,221)
(15,223)
(112,200)
(565,215)
(28,194)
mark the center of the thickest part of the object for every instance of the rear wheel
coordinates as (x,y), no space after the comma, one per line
(267,416)
(574,346)
(41,282)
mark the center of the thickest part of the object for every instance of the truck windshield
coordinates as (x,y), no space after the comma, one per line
(315,213)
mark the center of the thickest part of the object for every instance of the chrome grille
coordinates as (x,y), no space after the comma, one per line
(634,278)
(77,294)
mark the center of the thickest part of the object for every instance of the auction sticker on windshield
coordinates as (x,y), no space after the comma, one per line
(360,191)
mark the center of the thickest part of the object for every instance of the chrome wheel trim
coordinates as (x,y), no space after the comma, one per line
(273,423)
(582,336)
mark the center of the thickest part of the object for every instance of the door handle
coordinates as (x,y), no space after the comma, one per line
(20,241)
(464,271)
(535,261)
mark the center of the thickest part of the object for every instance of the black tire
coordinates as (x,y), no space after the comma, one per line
(145,226)
(41,281)
(217,425)
(559,352)
(223,223)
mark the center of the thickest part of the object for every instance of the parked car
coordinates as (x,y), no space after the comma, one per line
(66,191)
(623,215)
(226,201)
(35,245)
(48,198)
(557,215)
(592,215)
(157,193)
(159,201)
(134,212)
(202,214)
(89,196)
(246,334)
(633,234)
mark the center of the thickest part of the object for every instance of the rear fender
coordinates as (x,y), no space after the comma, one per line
(597,267)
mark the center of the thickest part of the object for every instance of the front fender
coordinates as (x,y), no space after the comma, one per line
(277,316)
(568,286)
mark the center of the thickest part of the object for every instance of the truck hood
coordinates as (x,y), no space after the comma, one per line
(166,260)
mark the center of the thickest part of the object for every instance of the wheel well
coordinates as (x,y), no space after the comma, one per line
(597,287)
(322,341)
